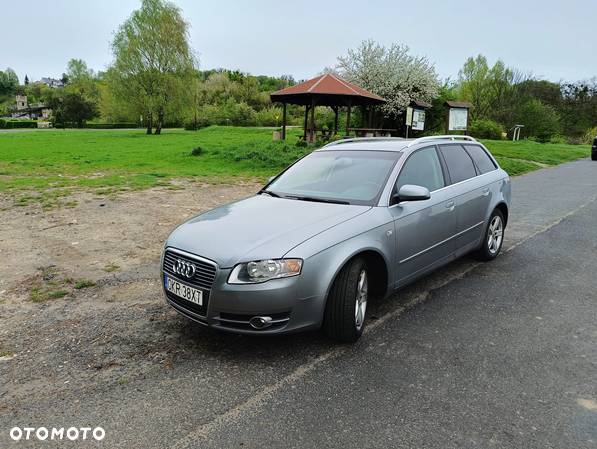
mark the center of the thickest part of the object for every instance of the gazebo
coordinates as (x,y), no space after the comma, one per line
(324,90)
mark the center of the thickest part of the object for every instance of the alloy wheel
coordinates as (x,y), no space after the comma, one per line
(361,300)
(495,234)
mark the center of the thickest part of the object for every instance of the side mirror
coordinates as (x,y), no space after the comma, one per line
(410,192)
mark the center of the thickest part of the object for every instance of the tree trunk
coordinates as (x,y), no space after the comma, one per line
(158,128)
(149,124)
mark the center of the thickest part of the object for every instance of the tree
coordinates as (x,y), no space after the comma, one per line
(72,108)
(475,86)
(9,81)
(540,120)
(26,80)
(153,60)
(77,71)
(491,90)
(392,73)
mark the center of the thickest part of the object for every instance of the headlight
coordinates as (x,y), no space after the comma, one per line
(264,270)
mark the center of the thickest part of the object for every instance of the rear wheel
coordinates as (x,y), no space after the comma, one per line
(494,237)
(346,306)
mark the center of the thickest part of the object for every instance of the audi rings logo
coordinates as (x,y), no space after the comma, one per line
(184,268)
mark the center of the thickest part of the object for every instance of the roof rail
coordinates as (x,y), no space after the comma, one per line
(362,139)
(444,137)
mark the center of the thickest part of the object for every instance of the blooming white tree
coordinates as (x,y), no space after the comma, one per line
(390,72)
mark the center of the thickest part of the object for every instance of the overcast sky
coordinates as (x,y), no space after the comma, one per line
(555,40)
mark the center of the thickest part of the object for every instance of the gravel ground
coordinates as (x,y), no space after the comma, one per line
(476,355)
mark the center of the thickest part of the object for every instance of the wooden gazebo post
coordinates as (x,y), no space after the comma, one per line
(283,121)
(335,109)
(306,121)
(348,119)
(312,124)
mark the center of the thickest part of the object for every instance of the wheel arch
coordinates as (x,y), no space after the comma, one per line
(503,208)
(378,271)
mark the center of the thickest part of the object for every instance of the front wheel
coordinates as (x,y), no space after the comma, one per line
(494,237)
(346,306)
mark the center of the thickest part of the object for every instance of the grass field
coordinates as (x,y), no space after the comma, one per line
(44,166)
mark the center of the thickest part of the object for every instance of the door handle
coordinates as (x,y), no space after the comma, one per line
(486,191)
(450,205)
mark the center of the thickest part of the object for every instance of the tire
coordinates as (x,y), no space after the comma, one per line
(342,320)
(594,157)
(493,238)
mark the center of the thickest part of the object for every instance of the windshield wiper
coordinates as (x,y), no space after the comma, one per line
(317,200)
(269,192)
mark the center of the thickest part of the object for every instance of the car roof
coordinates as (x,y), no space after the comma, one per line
(391,143)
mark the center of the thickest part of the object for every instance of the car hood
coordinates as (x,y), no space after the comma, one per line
(256,228)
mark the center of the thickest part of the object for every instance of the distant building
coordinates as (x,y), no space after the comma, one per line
(23,109)
(52,82)
(22,102)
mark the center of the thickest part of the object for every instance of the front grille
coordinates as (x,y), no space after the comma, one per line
(205,272)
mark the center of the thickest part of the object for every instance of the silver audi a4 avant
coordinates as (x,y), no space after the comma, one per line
(354,220)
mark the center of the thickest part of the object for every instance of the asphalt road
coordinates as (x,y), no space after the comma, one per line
(501,355)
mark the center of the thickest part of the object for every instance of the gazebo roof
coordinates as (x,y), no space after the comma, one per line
(326,90)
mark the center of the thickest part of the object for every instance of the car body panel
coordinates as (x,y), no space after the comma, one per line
(258,227)
(424,231)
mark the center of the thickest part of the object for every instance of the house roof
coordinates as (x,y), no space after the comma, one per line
(326,90)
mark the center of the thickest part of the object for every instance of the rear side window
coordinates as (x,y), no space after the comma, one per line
(460,165)
(422,168)
(481,158)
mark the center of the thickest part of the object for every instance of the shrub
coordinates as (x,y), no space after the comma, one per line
(13,124)
(589,136)
(540,120)
(196,151)
(194,125)
(486,129)
(271,116)
(558,139)
(110,125)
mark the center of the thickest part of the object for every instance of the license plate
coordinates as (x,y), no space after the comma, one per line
(184,291)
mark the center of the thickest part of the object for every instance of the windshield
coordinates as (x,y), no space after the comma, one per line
(349,177)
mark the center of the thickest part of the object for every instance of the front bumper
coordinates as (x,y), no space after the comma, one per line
(231,307)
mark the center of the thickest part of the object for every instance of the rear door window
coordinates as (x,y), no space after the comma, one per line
(481,158)
(460,165)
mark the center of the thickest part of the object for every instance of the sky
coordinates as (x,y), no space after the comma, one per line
(554,40)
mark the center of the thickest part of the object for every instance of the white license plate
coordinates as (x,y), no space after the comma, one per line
(184,291)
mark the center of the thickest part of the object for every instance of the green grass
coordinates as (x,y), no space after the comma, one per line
(84,283)
(44,167)
(130,159)
(524,156)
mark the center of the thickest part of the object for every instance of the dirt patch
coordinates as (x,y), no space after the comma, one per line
(100,237)
(80,300)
